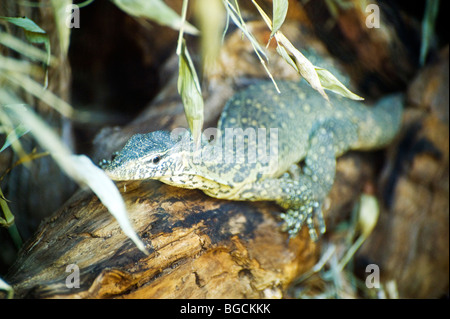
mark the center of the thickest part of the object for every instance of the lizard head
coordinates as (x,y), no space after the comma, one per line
(153,155)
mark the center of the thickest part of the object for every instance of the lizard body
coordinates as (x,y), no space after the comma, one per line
(305,126)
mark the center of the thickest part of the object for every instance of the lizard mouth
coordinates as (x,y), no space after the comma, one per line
(120,171)
(111,171)
(114,175)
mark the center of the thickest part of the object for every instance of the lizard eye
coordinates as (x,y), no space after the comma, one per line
(156,159)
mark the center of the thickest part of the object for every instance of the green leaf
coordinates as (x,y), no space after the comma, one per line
(34,34)
(428,25)
(190,92)
(331,83)
(13,136)
(155,10)
(280,9)
(25,24)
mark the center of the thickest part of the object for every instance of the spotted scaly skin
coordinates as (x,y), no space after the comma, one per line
(308,128)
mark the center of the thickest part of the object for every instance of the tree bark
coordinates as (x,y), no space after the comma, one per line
(200,247)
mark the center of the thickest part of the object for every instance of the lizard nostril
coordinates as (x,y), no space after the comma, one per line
(114,155)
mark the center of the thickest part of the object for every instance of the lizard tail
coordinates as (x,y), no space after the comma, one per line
(382,122)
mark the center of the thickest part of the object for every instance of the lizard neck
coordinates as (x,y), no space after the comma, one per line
(189,169)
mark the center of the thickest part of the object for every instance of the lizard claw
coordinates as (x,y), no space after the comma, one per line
(295,219)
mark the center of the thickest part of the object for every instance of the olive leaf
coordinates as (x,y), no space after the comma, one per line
(331,83)
(319,78)
(280,9)
(155,10)
(303,66)
(190,92)
(285,55)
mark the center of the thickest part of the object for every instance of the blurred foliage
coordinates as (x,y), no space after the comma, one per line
(18,75)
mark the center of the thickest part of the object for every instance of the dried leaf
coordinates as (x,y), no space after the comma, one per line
(282,51)
(331,83)
(94,177)
(319,78)
(305,67)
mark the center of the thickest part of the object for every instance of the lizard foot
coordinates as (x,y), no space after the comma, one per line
(295,219)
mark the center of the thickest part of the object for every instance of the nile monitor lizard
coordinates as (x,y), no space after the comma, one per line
(308,128)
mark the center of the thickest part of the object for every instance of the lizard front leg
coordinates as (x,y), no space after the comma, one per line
(302,197)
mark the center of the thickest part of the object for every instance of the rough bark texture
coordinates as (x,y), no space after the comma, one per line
(199,247)
(411,241)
